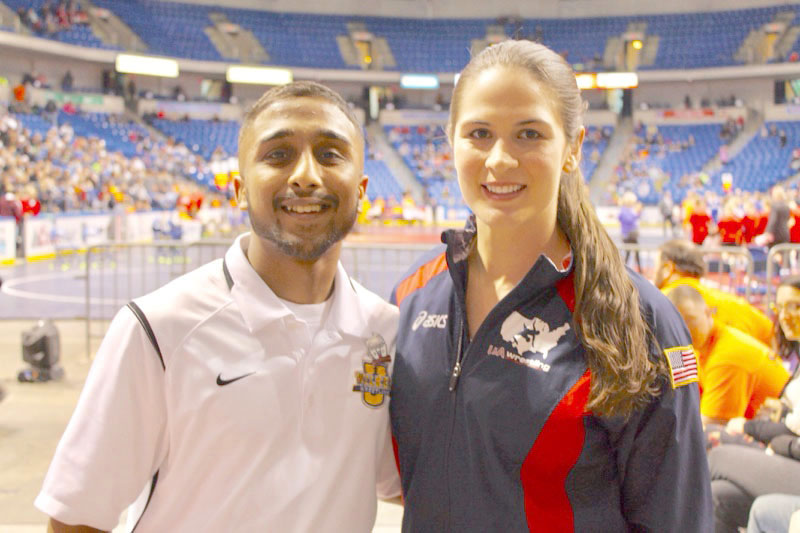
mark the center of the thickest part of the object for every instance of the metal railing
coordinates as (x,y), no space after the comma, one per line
(118,272)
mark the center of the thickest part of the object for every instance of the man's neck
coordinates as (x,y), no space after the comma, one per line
(302,282)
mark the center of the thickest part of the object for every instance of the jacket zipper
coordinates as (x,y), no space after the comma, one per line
(452,386)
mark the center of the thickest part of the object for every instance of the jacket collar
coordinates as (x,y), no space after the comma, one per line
(542,274)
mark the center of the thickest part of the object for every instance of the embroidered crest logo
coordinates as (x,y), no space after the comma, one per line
(528,335)
(373,381)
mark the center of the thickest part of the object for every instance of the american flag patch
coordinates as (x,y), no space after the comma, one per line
(682,365)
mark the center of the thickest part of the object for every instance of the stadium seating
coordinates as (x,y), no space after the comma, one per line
(594,144)
(763,162)
(76,34)
(693,40)
(676,157)
(202,136)
(381,181)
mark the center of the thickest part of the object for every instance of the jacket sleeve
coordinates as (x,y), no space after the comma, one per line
(662,461)
(666,484)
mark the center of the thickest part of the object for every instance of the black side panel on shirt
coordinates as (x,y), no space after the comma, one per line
(137,311)
(140,316)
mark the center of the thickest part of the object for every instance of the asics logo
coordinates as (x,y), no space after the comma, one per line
(426,320)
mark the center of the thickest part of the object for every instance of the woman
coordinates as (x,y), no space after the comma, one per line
(538,383)
(740,474)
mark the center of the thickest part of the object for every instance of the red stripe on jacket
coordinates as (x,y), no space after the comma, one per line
(550,460)
(421,277)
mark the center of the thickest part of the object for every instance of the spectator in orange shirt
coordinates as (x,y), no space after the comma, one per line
(680,262)
(737,372)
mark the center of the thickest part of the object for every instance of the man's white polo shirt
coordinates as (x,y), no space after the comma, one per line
(255,423)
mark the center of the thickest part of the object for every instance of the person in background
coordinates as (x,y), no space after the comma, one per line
(737,372)
(539,384)
(699,221)
(666,207)
(681,262)
(741,474)
(629,213)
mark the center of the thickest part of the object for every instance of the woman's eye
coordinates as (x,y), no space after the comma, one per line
(480,133)
(529,134)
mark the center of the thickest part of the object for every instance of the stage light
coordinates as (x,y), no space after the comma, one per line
(419,81)
(617,80)
(258,75)
(147,65)
(41,348)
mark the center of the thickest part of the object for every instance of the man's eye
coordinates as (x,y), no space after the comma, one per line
(480,133)
(277,155)
(330,155)
(529,134)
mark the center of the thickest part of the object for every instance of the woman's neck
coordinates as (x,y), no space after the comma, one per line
(508,253)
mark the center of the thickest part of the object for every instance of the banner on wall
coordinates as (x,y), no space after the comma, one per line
(8,241)
(47,235)
(90,102)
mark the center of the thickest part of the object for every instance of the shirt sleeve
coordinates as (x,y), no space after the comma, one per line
(116,438)
(726,392)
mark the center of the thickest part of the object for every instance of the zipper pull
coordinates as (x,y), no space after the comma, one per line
(454,376)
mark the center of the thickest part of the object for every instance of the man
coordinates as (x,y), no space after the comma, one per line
(265,408)
(681,262)
(737,372)
(665,207)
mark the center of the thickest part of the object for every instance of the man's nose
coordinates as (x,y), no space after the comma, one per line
(500,158)
(306,173)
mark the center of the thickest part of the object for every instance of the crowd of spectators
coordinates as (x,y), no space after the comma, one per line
(53,17)
(738,218)
(59,172)
(426,149)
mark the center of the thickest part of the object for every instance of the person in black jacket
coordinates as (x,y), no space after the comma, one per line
(741,473)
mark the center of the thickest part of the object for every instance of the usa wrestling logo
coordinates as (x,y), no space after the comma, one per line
(528,336)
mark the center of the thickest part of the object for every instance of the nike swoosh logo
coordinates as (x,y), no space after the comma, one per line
(222,382)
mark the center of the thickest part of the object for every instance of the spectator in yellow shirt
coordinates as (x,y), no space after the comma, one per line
(680,262)
(737,372)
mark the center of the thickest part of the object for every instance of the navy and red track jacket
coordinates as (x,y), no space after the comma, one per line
(512,447)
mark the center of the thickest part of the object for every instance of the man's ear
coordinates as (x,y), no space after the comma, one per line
(362,187)
(239,191)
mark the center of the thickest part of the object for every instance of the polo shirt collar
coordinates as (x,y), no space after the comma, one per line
(260,306)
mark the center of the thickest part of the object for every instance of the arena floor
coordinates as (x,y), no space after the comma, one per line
(33,416)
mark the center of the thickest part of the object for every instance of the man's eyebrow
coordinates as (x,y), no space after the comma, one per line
(334,136)
(279,134)
(325,133)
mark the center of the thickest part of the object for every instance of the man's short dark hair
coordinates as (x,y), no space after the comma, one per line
(298,89)
(686,256)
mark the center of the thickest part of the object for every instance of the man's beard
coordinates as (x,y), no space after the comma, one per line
(304,249)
